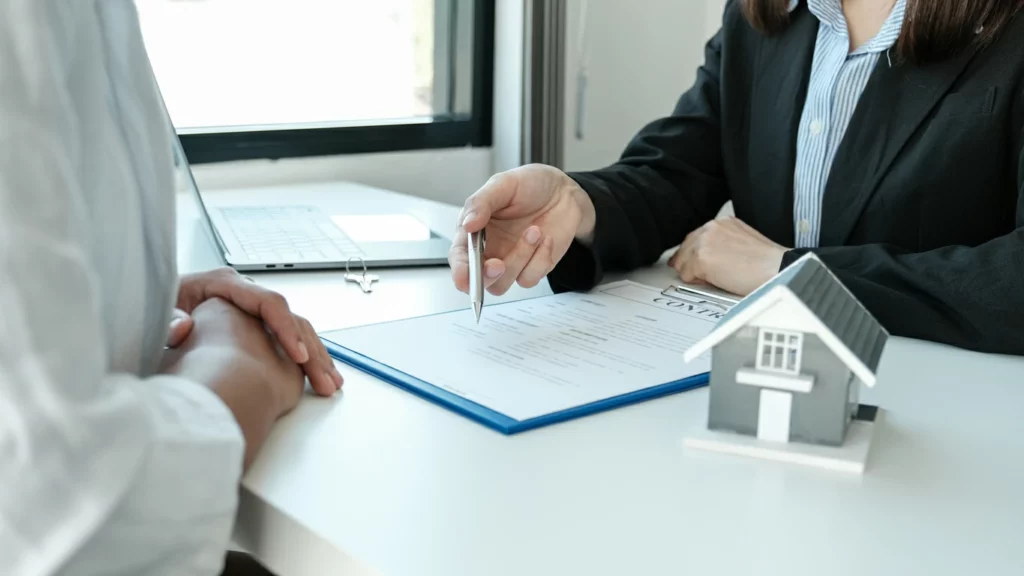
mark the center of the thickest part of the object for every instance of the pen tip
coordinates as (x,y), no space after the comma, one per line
(477,307)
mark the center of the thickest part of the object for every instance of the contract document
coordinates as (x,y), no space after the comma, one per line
(542,360)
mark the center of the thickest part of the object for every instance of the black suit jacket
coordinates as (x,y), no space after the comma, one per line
(922,216)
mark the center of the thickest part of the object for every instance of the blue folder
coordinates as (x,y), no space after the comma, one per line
(492,418)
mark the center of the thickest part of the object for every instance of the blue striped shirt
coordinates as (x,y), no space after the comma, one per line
(838,78)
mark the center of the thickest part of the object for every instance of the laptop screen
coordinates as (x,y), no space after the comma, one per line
(185,182)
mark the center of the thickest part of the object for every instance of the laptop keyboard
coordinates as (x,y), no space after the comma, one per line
(288,234)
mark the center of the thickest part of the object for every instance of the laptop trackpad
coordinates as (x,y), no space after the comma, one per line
(372,228)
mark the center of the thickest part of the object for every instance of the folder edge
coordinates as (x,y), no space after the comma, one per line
(492,418)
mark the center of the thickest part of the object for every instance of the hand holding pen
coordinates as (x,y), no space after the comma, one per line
(531,215)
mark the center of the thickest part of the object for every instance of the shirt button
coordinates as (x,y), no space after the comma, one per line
(816,127)
(805,227)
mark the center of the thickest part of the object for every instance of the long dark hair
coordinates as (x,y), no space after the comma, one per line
(932,29)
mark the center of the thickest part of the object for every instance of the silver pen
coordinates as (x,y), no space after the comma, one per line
(476,272)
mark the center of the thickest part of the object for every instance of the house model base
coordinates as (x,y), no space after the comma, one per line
(851,457)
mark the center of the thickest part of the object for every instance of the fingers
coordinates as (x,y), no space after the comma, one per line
(494,269)
(181,327)
(674,259)
(688,266)
(274,311)
(687,269)
(516,260)
(685,261)
(323,376)
(458,260)
(539,266)
(269,306)
(193,288)
(543,262)
(683,252)
(495,195)
(690,273)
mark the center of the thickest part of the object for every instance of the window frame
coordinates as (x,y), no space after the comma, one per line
(439,131)
(791,344)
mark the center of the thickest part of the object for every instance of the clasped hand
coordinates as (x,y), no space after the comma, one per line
(294,333)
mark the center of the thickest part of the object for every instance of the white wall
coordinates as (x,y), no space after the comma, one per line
(640,55)
(713,16)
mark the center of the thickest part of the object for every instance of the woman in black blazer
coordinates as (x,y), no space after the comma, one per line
(884,135)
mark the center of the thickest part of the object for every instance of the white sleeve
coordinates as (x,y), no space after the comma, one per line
(100,472)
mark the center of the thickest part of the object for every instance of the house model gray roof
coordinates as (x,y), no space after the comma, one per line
(845,324)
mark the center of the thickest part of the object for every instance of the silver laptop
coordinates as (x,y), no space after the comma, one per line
(311,235)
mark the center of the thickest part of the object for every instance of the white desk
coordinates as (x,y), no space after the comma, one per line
(378,481)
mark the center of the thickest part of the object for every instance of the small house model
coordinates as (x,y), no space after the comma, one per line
(787,362)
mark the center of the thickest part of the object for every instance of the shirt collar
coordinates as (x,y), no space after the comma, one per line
(830,13)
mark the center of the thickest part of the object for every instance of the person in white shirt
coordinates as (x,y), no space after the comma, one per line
(117,455)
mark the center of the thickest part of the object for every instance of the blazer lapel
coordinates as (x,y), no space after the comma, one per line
(779,91)
(895,103)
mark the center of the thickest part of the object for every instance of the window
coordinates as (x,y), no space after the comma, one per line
(284,78)
(779,351)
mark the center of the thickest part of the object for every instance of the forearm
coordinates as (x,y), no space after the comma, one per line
(239,381)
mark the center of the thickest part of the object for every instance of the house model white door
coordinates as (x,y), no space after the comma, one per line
(774,415)
(779,353)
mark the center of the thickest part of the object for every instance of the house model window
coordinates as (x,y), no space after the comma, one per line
(780,351)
